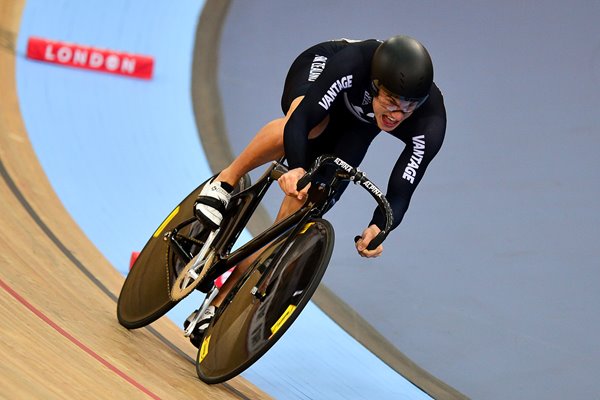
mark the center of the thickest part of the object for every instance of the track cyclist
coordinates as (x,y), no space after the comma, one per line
(337,97)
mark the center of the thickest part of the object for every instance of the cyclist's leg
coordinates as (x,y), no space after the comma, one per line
(351,146)
(325,139)
(266,146)
(289,205)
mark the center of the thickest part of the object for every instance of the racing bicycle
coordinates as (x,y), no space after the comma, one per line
(185,255)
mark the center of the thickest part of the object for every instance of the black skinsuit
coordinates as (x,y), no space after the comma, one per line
(335,79)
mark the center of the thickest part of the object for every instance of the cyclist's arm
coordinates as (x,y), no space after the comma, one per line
(408,171)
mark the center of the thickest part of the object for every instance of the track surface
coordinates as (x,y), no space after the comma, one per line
(60,336)
(490,282)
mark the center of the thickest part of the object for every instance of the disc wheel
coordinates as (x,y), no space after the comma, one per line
(244,327)
(146,293)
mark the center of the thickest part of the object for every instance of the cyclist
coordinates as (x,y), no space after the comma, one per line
(338,96)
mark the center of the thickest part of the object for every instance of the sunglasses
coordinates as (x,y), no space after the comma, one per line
(393,102)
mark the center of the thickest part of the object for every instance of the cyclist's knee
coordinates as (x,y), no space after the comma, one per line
(317,130)
(274,133)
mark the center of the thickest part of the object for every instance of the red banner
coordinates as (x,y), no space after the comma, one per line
(73,55)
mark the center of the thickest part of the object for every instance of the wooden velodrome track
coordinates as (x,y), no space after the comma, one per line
(59,333)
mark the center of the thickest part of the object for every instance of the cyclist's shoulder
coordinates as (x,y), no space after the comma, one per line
(350,52)
(433,108)
(429,121)
(363,49)
(359,44)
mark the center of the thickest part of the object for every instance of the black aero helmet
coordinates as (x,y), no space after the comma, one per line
(403,66)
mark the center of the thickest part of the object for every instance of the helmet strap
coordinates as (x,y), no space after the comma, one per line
(374,89)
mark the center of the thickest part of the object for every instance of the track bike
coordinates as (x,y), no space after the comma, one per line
(184,255)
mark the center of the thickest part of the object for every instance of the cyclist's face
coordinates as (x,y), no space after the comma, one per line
(390,111)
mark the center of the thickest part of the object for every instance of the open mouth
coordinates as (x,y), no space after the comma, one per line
(388,121)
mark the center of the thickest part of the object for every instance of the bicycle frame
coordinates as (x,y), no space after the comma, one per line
(283,278)
(194,252)
(243,205)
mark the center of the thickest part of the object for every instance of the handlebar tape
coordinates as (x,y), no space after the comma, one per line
(377,240)
(302,182)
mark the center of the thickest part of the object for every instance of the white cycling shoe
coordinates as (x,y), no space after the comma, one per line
(212,203)
(197,323)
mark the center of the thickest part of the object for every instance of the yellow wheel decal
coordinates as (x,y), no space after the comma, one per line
(284,317)
(306,227)
(166,221)
(204,349)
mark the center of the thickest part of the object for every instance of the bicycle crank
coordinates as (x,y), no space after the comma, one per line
(194,271)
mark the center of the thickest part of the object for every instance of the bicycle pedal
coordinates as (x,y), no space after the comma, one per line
(192,321)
